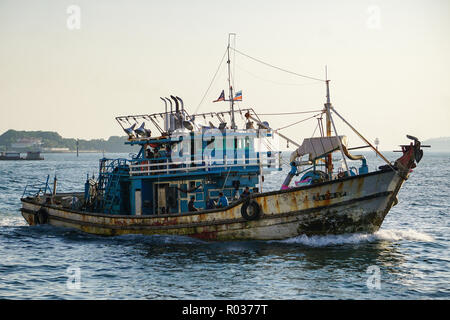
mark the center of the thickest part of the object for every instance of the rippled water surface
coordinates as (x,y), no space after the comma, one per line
(410,250)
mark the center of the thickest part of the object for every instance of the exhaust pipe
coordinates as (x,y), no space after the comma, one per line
(182,107)
(165,115)
(177,109)
(170,121)
(181,101)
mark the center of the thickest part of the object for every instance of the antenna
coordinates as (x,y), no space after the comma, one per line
(328,84)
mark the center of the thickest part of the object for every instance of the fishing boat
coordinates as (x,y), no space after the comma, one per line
(202,175)
(13,155)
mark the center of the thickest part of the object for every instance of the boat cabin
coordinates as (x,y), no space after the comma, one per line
(186,160)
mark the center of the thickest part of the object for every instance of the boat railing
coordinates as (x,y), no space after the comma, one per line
(111,165)
(37,188)
(165,166)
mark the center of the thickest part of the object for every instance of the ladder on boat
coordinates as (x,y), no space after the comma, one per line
(111,199)
(109,184)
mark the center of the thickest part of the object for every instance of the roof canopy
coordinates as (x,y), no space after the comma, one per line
(318,146)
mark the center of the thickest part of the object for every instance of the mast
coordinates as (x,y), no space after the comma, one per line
(328,106)
(233,125)
(329,160)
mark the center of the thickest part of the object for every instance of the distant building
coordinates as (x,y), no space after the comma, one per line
(55,149)
(27,144)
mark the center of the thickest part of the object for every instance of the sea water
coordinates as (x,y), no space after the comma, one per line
(407,258)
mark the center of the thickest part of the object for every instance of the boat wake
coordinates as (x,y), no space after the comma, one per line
(158,239)
(382,235)
(313,241)
(7,220)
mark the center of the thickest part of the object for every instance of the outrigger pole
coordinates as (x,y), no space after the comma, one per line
(364,139)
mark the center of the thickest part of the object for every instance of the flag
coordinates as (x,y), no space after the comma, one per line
(238,96)
(222,97)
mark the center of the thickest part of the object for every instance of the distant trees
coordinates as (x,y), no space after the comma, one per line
(54,140)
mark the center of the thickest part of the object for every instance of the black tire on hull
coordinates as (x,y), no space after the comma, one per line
(250,210)
(41,217)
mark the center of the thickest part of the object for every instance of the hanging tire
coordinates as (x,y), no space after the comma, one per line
(41,217)
(250,210)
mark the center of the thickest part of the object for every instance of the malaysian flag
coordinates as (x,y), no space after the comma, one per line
(222,97)
(238,96)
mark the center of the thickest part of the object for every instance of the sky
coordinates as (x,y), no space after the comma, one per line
(387,63)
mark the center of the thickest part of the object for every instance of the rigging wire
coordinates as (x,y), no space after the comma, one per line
(287,113)
(276,82)
(210,84)
(314,132)
(275,67)
(297,122)
(322,133)
(271,148)
(234,60)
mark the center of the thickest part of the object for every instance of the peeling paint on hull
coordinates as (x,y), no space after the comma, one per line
(353,204)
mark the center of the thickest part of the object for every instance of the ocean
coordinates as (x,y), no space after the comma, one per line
(408,258)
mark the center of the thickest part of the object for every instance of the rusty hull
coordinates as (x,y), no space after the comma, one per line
(352,204)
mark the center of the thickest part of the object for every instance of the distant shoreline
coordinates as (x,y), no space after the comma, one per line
(85,151)
(39,140)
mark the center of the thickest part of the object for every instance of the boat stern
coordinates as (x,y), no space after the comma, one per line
(29,210)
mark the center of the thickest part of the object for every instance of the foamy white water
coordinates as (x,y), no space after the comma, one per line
(381,235)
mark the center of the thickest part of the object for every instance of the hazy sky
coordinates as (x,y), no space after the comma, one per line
(388,62)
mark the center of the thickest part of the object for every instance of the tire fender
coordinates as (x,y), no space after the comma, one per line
(41,217)
(250,210)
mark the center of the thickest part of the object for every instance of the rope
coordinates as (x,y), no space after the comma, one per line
(210,84)
(225,180)
(364,139)
(292,124)
(319,120)
(287,113)
(276,82)
(317,125)
(275,67)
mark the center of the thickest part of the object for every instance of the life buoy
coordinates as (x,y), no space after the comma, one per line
(41,217)
(250,210)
